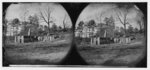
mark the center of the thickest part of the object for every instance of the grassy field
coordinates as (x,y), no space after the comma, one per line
(37,52)
(113,54)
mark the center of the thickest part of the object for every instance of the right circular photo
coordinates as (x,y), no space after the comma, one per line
(111,34)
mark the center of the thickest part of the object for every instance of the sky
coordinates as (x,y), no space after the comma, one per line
(93,11)
(19,10)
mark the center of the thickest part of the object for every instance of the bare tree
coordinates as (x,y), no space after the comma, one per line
(99,16)
(65,21)
(141,25)
(24,14)
(45,15)
(140,20)
(33,25)
(122,14)
(5,22)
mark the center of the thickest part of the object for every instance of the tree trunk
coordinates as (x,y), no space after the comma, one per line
(13,32)
(125,29)
(48,29)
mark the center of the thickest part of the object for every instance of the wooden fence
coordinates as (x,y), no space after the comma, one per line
(25,39)
(99,41)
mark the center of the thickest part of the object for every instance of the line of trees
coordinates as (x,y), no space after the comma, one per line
(30,25)
(121,15)
(46,16)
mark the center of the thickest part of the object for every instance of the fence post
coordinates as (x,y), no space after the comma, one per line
(15,39)
(120,40)
(98,39)
(91,41)
(22,39)
(94,41)
(18,39)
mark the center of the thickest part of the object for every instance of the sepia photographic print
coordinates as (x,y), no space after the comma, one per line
(74,34)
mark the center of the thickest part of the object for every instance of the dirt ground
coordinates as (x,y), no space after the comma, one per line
(37,52)
(113,54)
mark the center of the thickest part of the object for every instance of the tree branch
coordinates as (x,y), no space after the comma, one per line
(64,22)
(42,16)
(119,19)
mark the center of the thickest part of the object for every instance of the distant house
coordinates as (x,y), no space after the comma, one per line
(101,30)
(27,36)
(105,30)
(99,34)
(102,33)
(85,32)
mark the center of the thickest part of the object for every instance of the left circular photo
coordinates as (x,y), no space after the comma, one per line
(36,33)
